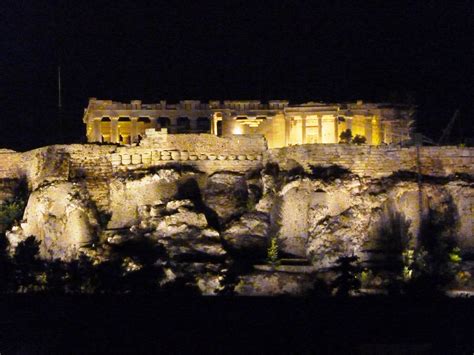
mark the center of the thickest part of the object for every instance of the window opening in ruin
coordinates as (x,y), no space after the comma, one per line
(183,124)
(203,124)
(164,122)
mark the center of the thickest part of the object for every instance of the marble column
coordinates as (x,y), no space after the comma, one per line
(173,125)
(114,138)
(287,130)
(154,123)
(133,129)
(368,130)
(320,127)
(303,127)
(193,124)
(96,133)
(348,123)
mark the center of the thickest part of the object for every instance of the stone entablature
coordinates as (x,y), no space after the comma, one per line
(282,124)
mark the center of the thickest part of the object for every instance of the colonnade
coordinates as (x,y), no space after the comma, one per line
(126,130)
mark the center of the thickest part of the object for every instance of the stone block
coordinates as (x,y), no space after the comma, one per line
(136,159)
(175,155)
(184,156)
(116,159)
(126,159)
(146,158)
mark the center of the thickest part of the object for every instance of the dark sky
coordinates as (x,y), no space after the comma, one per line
(421,51)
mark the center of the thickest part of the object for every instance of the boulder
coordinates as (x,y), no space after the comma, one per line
(226,194)
(61,217)
(249,233)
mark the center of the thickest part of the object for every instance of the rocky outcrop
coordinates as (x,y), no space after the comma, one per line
(61,217)
(205,222)
(226,194)
(193,250)
(129,192)
(248,234)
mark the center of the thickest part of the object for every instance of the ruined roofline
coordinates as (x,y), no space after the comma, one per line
(231,104)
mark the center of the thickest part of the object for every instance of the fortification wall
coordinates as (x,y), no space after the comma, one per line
(205,143)
(205,152)
(377,161)
(89,163)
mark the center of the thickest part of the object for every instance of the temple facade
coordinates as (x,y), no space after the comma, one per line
(282,124)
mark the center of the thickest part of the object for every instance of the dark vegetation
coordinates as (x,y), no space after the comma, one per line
(347,138)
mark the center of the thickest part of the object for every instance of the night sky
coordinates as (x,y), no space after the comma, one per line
(420,52)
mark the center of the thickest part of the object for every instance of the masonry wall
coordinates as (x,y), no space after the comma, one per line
(377,161)
(205,143)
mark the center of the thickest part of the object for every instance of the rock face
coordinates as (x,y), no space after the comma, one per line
(128,193)
(249,234)
(204,223)
(193,248)
(226,194)
(61,217)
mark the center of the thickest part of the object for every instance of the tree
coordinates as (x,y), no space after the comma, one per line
(436,260)
(55,276)
(346,136)
(358,139)
(27,264)
(81,276)
(347,282)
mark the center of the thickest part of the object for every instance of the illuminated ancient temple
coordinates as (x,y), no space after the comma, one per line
(281,123)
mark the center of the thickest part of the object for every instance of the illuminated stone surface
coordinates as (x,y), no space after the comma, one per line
(283,124)
(203,211)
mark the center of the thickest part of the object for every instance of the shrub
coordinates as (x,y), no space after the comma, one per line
(272,251)
(358,139)
(346,136)
(10,212)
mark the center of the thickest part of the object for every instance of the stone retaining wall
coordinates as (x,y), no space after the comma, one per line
(209,162)
(205,143)
(377,161)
